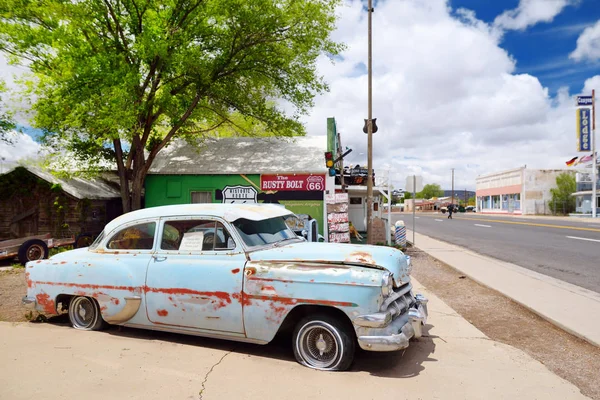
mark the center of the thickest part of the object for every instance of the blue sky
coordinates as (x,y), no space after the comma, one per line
(477,91)
(543,50)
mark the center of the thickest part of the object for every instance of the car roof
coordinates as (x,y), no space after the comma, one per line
(229,212)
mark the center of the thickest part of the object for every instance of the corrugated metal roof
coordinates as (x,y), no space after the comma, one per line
(243,156)
(78,187)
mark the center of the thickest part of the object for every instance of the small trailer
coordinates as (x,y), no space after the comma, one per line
(32,248)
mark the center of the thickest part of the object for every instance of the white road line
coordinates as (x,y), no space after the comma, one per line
(439,220)
(580,238)
(483,226)
(417,217)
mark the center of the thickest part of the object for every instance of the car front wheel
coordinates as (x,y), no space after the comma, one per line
(323,342)
(84,314)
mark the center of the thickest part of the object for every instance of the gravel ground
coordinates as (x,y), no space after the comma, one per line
(12,290)
(505,321)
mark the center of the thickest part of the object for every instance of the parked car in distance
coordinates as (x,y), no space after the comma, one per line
(470,209)
(234,271)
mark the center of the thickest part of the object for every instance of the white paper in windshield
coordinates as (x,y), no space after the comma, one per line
(192,241)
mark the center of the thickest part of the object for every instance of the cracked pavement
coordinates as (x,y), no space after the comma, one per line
(455,361)
(201,394)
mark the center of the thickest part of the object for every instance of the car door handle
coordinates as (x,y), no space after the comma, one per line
(159,258)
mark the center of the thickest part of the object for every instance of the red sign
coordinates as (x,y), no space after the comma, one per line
(305,183)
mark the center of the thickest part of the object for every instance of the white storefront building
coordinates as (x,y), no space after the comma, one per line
(583,195)
(516,191)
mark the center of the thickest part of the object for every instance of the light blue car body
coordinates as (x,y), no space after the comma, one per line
(240,293)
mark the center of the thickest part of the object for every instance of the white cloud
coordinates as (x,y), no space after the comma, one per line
(588,44)
(9,74)
(530,12)
(23,147)
(590,84)
(445,96)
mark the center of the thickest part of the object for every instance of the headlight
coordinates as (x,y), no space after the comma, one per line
(387,284)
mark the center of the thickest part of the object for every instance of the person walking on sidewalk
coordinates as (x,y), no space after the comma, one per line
(450,210)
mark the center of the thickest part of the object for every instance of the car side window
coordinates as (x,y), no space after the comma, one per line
(195,235)
(135,237)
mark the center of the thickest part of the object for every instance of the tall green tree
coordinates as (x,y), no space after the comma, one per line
(430,190)
(120,79)
(562,201)
(6,122)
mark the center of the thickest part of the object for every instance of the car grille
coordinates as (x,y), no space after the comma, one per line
(400,301)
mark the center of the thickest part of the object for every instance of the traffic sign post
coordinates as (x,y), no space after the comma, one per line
(416,184)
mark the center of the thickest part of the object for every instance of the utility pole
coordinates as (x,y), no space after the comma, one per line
(452,185)
(370,135)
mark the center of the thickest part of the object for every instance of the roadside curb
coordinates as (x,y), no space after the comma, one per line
(553,289)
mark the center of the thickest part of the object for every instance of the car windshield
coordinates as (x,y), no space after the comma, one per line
(97,241)
(263,232)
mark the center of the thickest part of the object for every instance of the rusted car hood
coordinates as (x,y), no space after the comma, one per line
(380,257)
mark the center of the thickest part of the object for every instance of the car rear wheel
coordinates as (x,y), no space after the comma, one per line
(84,314)
(324,342)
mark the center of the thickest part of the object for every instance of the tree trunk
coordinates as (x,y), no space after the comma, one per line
(139,176)
(123,177)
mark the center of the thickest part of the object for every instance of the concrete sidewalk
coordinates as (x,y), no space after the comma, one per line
(454,361)
(571,307)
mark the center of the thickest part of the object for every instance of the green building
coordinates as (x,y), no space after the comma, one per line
(288,171)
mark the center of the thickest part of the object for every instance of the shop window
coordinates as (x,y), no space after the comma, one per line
(496,202)
(201,197)
(355,200)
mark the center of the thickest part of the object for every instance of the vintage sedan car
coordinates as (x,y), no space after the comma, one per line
(234,272)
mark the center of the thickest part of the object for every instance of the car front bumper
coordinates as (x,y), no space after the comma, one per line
(385,333)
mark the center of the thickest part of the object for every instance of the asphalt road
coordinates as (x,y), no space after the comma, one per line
(566,250)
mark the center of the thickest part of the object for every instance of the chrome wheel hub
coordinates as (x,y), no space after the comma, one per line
(82,313)
(319,346)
